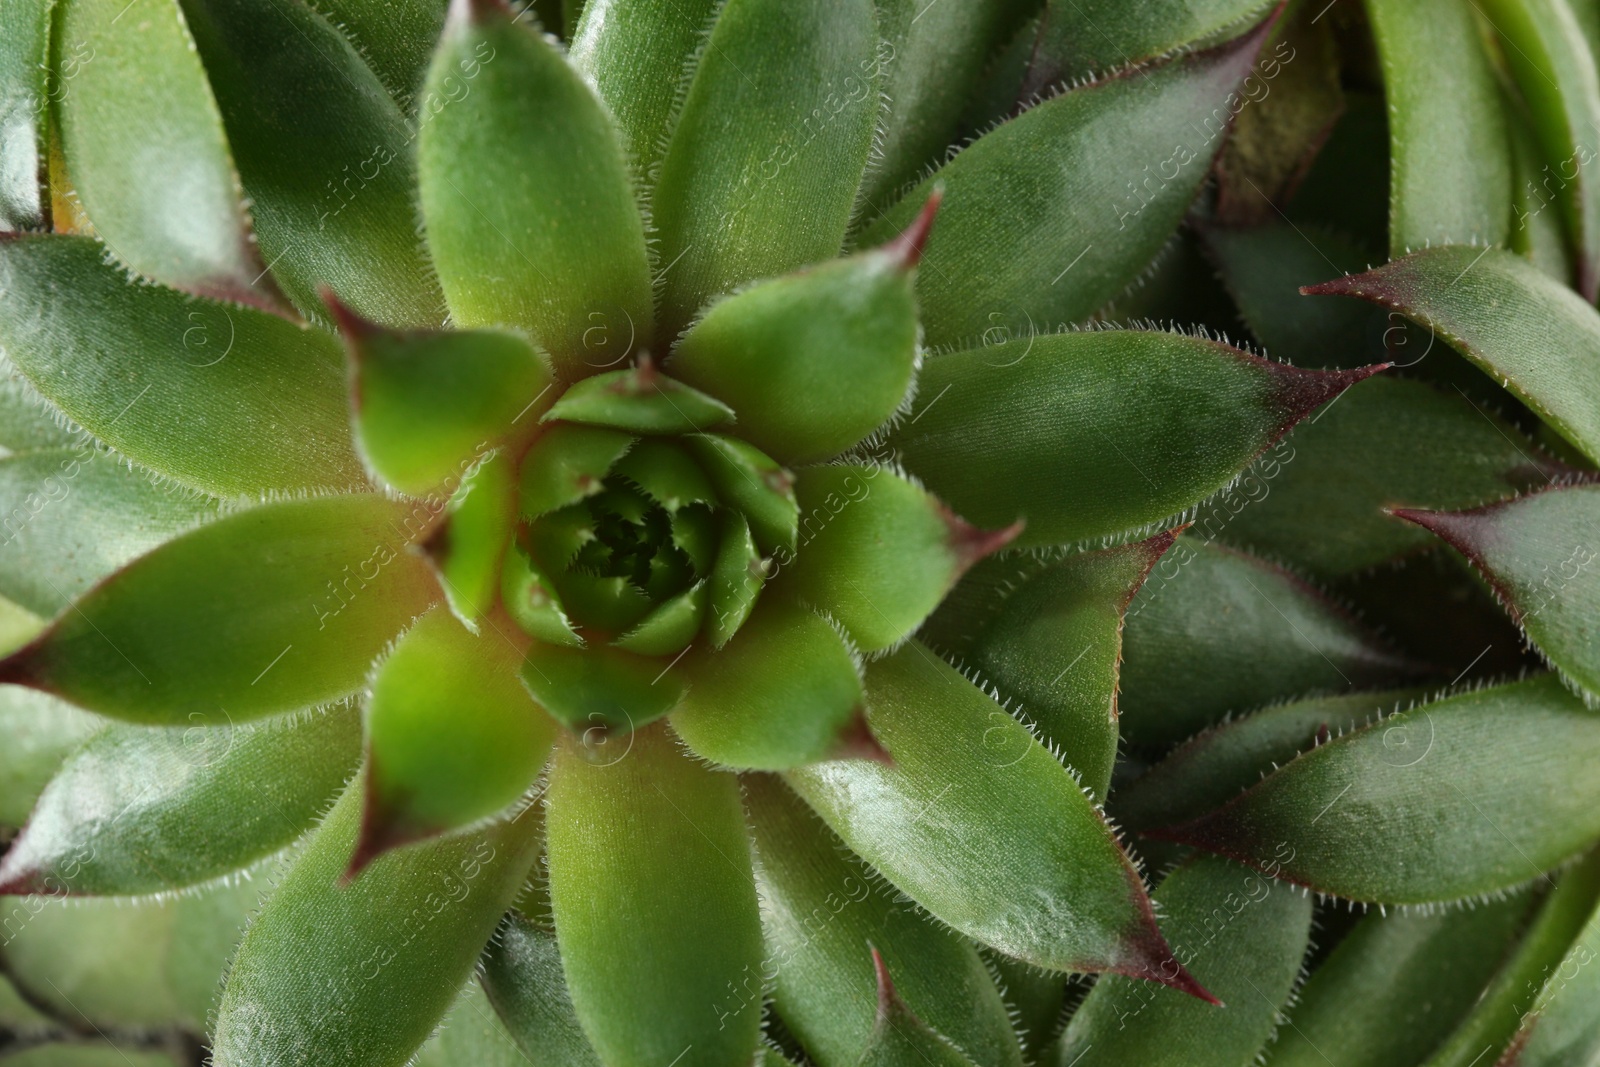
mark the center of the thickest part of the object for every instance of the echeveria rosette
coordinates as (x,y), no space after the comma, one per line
(655,501)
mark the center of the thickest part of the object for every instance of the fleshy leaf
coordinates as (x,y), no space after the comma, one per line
(530,209)
(1085,38)
(325,154)
(878,553)
(666,474)
(427,403)
(1555,71)
(1523,328)
(360,973)
(1443,107)
(523,978)
(773,133)
(1389,441)
(1094,433)
(736,579)
(452,735)
(1054,890)
(1243,935)
(140,809)
(567,464)
(1035,999)
(264,611)
(1437,803)
(1397,985)
(1220,763)
(1213,631)
(24,110)
(471,544)
(1562,1026)
(636,52)
(74,516)
(599,691)
(1535,963)
(823,989)
(899,1038)
(643,400)
(29,422)
(813,362)
(1538,552)
(749,481)
(533,602)
(397,39)
(1049,637)
(645,991)
(224,399)
(40,733)
(472,1035)
(784,692)
(670,626)
(1043,222)
(149,156)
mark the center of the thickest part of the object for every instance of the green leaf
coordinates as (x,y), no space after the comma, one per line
(601,690)
(325,154)
(1087,38)
(567,464)
(1054,889)
(396,39)
(19,1016)
(1048,638)
(1035,1000)
(452,735)
(71,517)
(1538,553)
(737,576)
(670,625)
(140,809)
(640,399)
(1243,935)
(1390,441)
(1531,968)
(1041,225)
(40,733)
(774,132)
(149,157)
(823,910)
(360,973)
(1523,328)
(1538,232)
(530,211)
(933,61)
(470,546)
(24,111)
(1213,631)
(1437,803)
(649,984)
(1544,48)
(879,553)
(1223,761)
(899,1038)
(636,53)
(532,601)
(784,692)
(523,977)
(223,399)
(1443,106)
(265,611)
(1397,985)
(427,404)
(1563,1024)
(1095,433)
(472,1035)
(1263,268)
(813,362)
(749,481)
(92,1054)
(665,473)
(29,422)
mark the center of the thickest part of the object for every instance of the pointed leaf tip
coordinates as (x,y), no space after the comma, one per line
(857,741)
(381,830)
(906,249)
(888,998)
(352,326)
(473,12)
(1300,392)
(972,543)
(1461,530)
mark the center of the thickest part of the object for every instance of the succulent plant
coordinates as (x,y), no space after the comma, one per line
(715,532)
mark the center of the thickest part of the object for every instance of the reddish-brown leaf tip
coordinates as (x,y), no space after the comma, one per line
(351,324)
(1154,960)
(382,829)
(474,12)
(1298,392)
(17,880)
(857,741)
(1465,531)
(888,998)
(972,543)
(906,249)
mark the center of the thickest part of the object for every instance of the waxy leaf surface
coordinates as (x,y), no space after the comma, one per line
(24,110)
(523,977)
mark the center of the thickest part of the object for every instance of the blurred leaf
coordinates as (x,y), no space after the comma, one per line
(1347,188)
(40,732)
(1438,803)
(1055,889)
(325,154)
(360,973)
(524,981)
(600,691)
(29,422)
(472,1035)
(395,37)
(1538,231)
(773,134)
(1443,107)
(530,210)
(24,112)
(657,917)
(93,1054)
(1563,1025)
(264,611)
(1034,998)
(140,809)
(1100,432)
(223,399)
